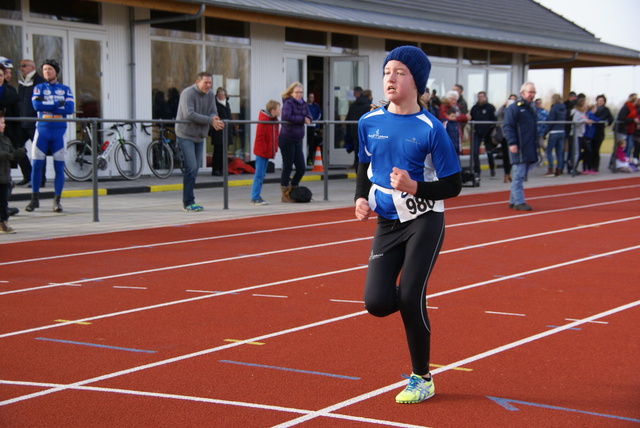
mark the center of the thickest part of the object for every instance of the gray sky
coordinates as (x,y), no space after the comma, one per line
(615,22)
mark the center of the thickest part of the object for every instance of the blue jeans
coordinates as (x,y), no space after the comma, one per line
(628,150)
(261,171)
(291,151)
(192,155)
(556,143)
(488,146)
(519,174)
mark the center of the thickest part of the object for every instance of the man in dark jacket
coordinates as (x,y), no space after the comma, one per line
(29,78)
(356,110)
(482,111)
(520,131)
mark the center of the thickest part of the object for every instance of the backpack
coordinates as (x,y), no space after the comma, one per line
(301,194)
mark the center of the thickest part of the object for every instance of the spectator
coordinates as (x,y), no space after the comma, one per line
(198,106)
(579,119)
(408,203)
(541,116)
(586,145)
(621,159)
(500,140)
(29,79)
(296,112)
(265,147)
(357,109)
(160,109)
(606,119)
(462,103)
(7,154)
(10,105)
(429,103)
(556,136)
(568,129)
(51,99)
(482,111)
(520,130)
(452,128)
(217,135)
(314,133)
(627,122)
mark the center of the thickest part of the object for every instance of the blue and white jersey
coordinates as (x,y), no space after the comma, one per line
(50,107)
(417,143)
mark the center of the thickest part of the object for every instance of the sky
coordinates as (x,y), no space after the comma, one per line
(616,22)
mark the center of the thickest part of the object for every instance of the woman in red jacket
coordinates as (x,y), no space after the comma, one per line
(265,148)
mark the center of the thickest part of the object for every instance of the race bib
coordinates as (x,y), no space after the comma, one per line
(409,207)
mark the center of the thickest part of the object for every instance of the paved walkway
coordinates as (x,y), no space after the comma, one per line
(151,202)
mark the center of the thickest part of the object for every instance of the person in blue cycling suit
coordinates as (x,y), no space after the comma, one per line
(50,99)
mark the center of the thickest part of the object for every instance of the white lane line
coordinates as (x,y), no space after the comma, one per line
(208,295)
(327,411)
(270,295)
(464,248)
(208,400)
(504,313)
(235,235)
(185,241)
(304,327)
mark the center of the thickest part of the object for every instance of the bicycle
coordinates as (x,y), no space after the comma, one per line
(78,162)
(163,153)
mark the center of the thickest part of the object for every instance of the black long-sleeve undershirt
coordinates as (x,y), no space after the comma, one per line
(444,188)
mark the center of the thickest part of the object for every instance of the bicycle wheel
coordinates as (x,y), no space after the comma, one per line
(160,159)
(77,160)
(128,159)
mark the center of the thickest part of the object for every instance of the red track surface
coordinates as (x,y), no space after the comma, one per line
(259,322)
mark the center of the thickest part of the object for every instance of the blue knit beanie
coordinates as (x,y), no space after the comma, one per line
(415,60)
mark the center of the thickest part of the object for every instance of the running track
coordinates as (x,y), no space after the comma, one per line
(259,322)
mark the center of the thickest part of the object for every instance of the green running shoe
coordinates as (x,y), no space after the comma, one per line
(417,391)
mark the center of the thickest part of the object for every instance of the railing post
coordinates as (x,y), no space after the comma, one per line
(94,171)
(225,164)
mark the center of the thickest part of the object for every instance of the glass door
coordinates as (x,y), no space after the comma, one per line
(345,74)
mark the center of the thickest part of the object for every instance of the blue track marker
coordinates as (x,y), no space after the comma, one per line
(506,403)
(96,345)
(290,370)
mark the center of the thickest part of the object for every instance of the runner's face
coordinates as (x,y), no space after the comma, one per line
(1,77)
(398,82)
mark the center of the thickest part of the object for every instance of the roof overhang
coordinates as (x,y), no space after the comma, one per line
(542,52)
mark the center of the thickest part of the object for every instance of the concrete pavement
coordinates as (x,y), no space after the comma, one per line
(151,202)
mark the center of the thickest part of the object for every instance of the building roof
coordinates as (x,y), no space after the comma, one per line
(519,26)
(526,24)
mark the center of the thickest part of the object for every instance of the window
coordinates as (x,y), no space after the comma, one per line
(344,41)
(475,56)
(12,47)
(225,30)
(10,9)
(305,37)
(188,29)
(446,54)
(390,44)
(175,67)
(501,58)
(87,12)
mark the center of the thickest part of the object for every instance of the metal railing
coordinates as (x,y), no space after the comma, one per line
(325,124)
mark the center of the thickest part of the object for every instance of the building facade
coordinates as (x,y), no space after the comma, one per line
(129,59)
